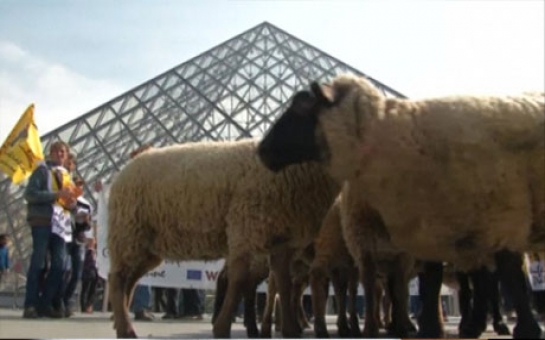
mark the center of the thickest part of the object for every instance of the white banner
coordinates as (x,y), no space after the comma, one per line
(183,274)
(536,273)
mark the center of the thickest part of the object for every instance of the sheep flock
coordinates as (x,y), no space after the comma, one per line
(348,187)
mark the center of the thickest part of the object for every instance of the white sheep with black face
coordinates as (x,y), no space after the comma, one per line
(457,179)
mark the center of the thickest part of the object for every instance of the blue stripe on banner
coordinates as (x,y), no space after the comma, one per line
(194,274)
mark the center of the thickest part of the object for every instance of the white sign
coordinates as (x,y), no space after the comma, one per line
(61,223)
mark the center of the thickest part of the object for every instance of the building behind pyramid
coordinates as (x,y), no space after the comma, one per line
(232,91)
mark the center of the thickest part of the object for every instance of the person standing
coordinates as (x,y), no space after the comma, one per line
(48,196)
(76,248)
(89,278)
(4,256)
(141,303)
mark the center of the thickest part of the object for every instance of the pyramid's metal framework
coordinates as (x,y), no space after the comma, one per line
(232,91)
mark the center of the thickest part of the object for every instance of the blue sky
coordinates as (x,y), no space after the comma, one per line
(70,56)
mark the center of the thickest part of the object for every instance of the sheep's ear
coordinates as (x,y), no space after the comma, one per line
(324,93)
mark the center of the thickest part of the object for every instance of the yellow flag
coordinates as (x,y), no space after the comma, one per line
(22,150)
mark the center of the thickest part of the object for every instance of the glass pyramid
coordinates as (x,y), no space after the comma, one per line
(232,91)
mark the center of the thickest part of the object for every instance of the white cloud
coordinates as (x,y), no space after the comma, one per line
(59,94)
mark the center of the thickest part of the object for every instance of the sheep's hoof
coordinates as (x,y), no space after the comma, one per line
(130,334)
(430,333)
(356,333)
(397,331)
(530,330)
(369,332)
(266,332)
(252,332)
(220,333)
(501,329)
(343,331)
(470,331)
(321,334)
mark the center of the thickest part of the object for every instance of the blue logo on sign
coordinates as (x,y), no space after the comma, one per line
(193,274)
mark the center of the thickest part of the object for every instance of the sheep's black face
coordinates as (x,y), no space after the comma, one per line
(292,139)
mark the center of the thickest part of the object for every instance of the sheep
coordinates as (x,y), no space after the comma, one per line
(457,179)
(374,254)
(205,201)
(332,260)
(339,254)
(258,272)
(299,271)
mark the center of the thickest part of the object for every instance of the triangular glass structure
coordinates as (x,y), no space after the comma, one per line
(232,91)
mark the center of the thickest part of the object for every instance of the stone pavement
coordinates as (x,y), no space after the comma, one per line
(98,325)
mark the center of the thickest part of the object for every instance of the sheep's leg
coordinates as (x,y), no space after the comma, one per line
(280,262)
(369,280)
(510,273)
(340,285)
(499,326)
(266,323)
(237,272)
(464,299)
(121,287)
(250,320)
(430,321)
(398,288)
(481,286)
(353,283)
(250,298)
(221,290)
(318,280)
(119,300)
(300,282)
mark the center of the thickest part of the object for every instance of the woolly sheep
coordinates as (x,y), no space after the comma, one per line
(457,179)
(299,274)
(258,272)
(332,260)
(205,201)
(376,256)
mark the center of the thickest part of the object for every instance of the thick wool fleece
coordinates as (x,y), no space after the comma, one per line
(455,178)
(209,200)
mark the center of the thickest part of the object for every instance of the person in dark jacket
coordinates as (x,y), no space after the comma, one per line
(47,192)
(89,277)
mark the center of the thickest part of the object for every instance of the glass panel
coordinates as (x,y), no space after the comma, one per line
(66,133)
(107,116)
(93,119)
(151,92)
(129,103)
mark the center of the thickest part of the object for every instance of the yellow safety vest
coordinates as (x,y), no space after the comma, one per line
(64,179)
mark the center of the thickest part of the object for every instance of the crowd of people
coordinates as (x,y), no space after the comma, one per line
(62,239)
(64,249)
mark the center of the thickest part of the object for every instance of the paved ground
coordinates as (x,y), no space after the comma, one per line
(98,325)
